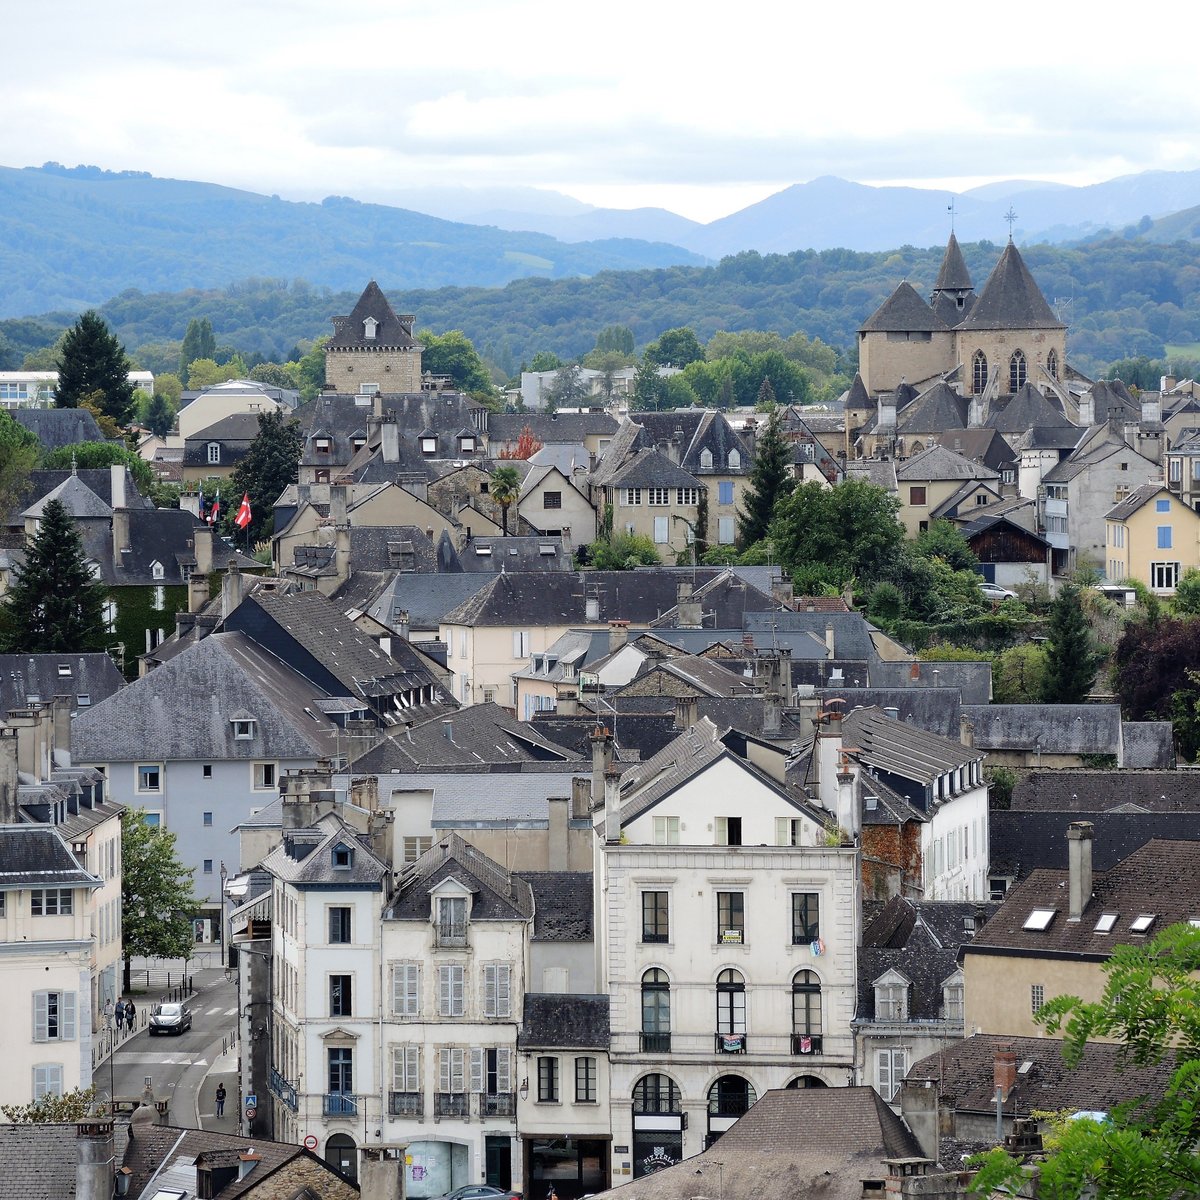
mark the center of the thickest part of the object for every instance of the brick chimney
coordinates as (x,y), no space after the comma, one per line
(618,635)
(1079,866)
(1004,1071)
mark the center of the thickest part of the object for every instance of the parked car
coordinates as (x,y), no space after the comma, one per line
(480,1191)
(170,1018)
(993,591)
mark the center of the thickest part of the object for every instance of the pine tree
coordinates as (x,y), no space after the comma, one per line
(159,417)
(54,605)
(769,481)
(1071,659)
(270,465)
(93,366)
(199,341)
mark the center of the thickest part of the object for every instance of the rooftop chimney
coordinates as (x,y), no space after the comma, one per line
(829,644)
(117,476)
(1004,1071)
(95,1160)
(1079,866)
(10,814)
(612,806)
(618,635)
(120,534)
(689,610)
(389,438)
(337,504)
(197,592)
(966,731)
(602,750)
(686,712)
(581,797)
(559,808)
(233,588)
(202,544)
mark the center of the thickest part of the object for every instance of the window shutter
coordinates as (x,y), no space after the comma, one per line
(457,991)
(503,990)
(445,991)
(412,1068)
(504,1069)
(406,984)
(67,1018)
(444,1069)
(477,1068)
(490,974)
(41,1016)
(398,1069)
(883,1060)
(456,1070)
(517,644)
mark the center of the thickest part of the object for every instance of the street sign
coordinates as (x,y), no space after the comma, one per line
(251,1112)
(310,1142)
(252,1101)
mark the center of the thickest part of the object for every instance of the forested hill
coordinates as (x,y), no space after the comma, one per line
(71,237)
(1121,298)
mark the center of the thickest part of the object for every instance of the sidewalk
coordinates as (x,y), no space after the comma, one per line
(223,1070)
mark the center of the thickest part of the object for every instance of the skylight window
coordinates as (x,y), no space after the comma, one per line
(1040,918)
(1106,922)
(1142,924)
(1194,922)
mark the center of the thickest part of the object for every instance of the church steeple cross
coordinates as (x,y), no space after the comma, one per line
(1010,217)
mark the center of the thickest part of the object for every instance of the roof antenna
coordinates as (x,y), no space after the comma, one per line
(1010,217)
(950,210)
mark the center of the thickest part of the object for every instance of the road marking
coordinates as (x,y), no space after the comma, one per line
(165,1060)
(231,1012)
(215,1012)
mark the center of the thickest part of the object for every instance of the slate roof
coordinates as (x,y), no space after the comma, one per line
(498,895)
(316,867)
(1029,409)
(479,733)
(1011,298)
(904,312)
(182,709)
(986,446)
(97,480)
(856,396)
(706,675)
(426,598)
(648,732)
(972,679)
(550,428)
(234,433)
(545,552)
(879,471)
(650,468)
(1160,878)
(568,1022)
(562,906)
(1147,744)
(901,749)
(622,444)
(76,497)
(851,630)
(1135,500)
(58,427)
(936,709)
(393,332)
(1111,400)
(1020,842)
(689,753)
(795,1142)
(39,1160)
(1085,790)
(1048,728)
(941,463)
(37,856)
(933,411)
(702,429)
(166,536)
(725,599)
(42,676)
(1103,1078)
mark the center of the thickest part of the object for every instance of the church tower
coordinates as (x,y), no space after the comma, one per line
(953,294)
(373,350)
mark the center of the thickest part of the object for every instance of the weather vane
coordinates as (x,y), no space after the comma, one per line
(1010,217)
(950,210)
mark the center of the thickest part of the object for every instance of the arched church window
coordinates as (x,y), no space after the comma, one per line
(978,372)
(1052,364)
(1016,371)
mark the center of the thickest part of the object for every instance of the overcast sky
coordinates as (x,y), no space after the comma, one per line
(700,107)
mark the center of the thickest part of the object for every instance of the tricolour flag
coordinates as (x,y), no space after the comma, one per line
(243,513)
(214,512)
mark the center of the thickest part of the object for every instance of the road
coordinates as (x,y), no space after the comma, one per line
(178,1063)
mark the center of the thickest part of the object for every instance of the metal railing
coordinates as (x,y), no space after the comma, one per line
(655,1043)
(406,1104)
(340,1104)
(806,1043)
(497,1104)
(730,1043)
(452,1104)
(284,1089)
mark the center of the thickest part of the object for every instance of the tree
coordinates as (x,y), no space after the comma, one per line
(569,388)
(452,354)
(67,1109)
(545,360)
(272,374)
(54,606)
(157,899)
(675,348)
(199,341)
(770,480)
(945,540)
(1071,659)
(848,532)
(649,387)
(19,451)
(270,465)
(160,416)
(505,489)
(93,361)
(1187,593)
(310,369)
(1019,675)
(205,373)
(527,446)
(623,552)
(617,339)
(765,401)
(96,456)
(1155,673)
(1145,1148)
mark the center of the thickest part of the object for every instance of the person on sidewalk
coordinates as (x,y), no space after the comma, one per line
(220,1099)
(119,1016)
(130,1016)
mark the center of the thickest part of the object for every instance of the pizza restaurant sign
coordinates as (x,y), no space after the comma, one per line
(657,1160)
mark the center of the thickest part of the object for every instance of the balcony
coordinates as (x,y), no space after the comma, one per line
(730,1043)
(406,1104)
(284,1089)
(656,1043)
(452,1104)
(340,1104)
(806,1043)
(498,1104)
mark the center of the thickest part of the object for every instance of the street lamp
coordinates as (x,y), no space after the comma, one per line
(109,1011)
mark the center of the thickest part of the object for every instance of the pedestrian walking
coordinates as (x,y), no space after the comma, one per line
(119,1014)
(130,1016)
(220,1099)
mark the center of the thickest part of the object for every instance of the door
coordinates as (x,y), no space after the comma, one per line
(498,1162)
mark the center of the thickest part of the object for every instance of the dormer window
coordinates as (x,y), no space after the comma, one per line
(891,997)
(369,327)
(156,570)
(243,729)
(706,459)
(342,857)
(214,452)
(451,920)
(64,670)
(428,445)
(952,997)
(466,445)
(324,445)
(357,443)
(735,460)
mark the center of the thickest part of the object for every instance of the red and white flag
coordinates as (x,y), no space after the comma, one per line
(243,513)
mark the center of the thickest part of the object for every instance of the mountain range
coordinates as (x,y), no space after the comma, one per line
(74,237)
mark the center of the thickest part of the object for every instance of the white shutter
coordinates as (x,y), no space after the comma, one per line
(47,1080)
(660,531)
(503,990)
(406,1068)
(445,991)
(456,1070)
(444,1069)
(41,1016)
(883,1070)
(458,991)
(504,1070)
(477,1068)
(406,993)
(66,1018)
(490,972)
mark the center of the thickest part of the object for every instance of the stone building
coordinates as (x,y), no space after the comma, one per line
(373,350)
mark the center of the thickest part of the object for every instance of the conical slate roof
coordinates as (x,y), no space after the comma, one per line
(1028,409)
(391,331)
(856,397)
(934,411)
(1011,299)
(904,312)
(954,276)
(76,497)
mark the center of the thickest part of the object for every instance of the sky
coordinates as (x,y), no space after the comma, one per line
(701,108)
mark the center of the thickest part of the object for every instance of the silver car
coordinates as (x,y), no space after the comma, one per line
(170,1018)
